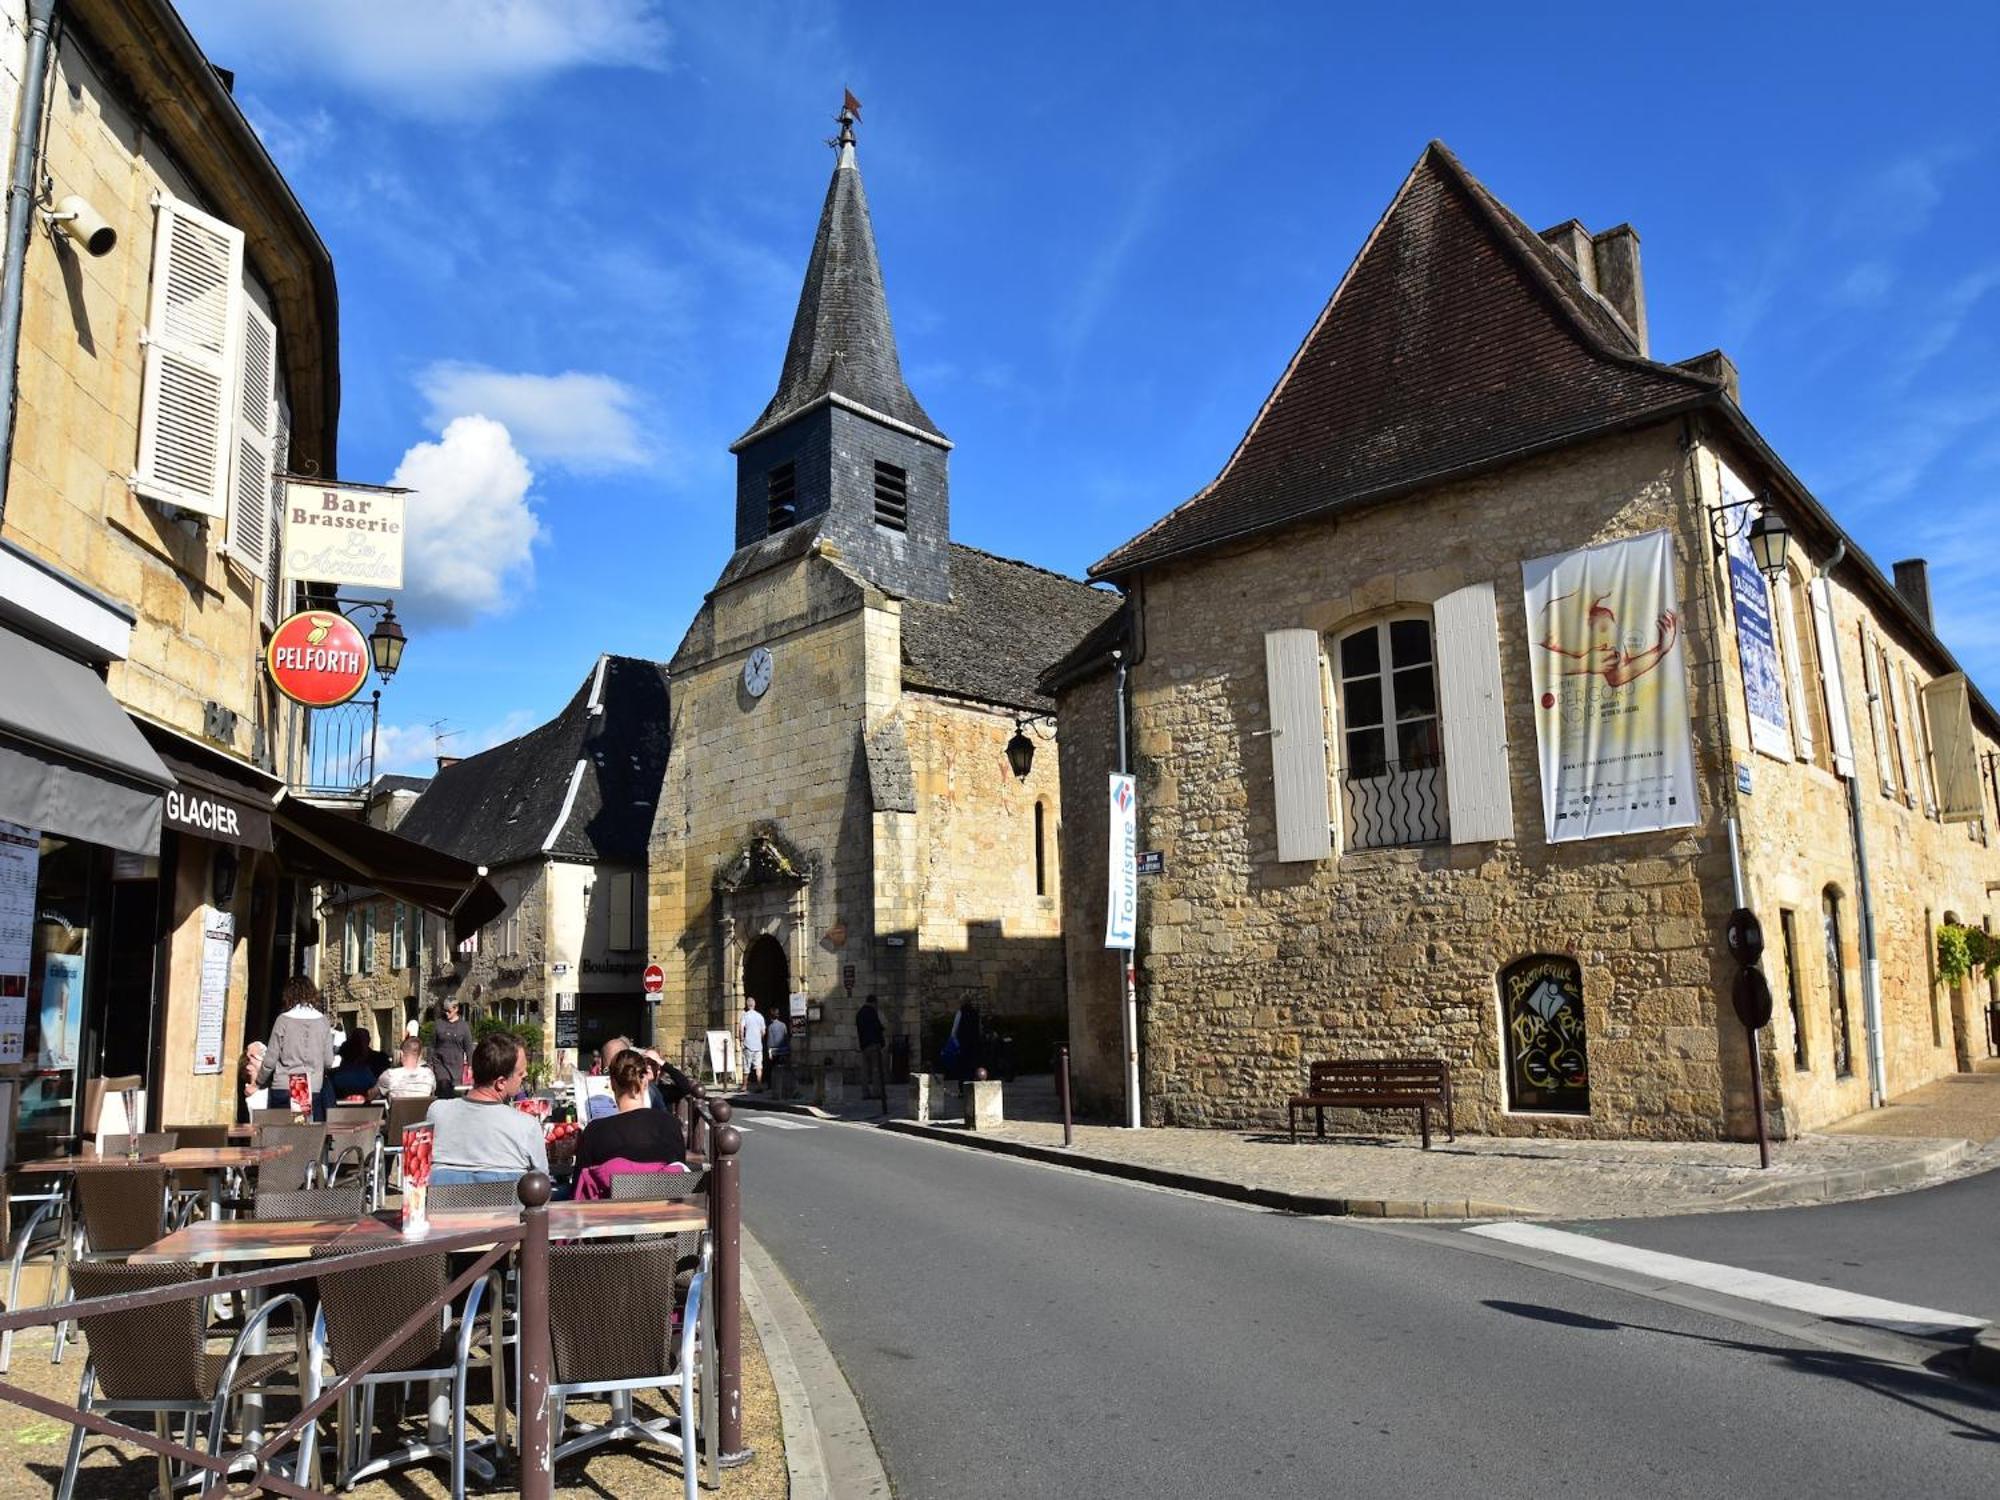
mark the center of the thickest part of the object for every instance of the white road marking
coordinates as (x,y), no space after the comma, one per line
(785,1122)
(1731,1281)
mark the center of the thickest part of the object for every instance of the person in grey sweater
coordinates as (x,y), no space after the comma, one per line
(480,1136)
(301,1042)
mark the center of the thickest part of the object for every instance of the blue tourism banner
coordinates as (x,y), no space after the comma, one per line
(1756,631)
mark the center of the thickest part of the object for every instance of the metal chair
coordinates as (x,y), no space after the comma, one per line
(190,1184)
(347,1200)
(304,1146)
(358,1310)
(119,1210)
(669,1187)
(156,1359)
(47,1228)
(611,1332)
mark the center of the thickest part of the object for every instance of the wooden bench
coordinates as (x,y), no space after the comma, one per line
(1376,1083)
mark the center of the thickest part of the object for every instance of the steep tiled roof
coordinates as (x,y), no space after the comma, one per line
(499,806)
(1092,654)
(1006,623)
(1456,340)
(842,342)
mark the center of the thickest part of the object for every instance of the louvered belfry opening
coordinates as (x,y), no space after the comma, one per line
(781,497)
(892,496)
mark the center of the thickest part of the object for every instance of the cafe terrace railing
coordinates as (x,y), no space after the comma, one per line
(717,1143)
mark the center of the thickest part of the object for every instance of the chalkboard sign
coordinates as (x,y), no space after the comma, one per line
(566,1031)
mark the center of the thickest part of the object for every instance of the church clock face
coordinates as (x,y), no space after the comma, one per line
(757,672)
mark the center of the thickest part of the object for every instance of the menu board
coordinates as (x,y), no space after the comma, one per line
(20,860)
(218,942)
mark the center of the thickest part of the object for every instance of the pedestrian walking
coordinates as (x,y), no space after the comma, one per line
(750,1031)
(868,1032)
(451,1046)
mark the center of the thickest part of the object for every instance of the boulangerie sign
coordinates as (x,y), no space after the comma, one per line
(1610,682)
(344,533)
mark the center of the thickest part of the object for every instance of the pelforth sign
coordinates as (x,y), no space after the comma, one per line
(1121,917)
(318,658)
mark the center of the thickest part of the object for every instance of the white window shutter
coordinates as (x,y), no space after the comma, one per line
(1474,715)
(1922,743)
(1795,674)
(187,397)
(1878,724)
(256,430)
(1830,679)
(1953,748)
(1292,680)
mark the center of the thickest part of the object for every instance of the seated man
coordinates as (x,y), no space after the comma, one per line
(636,1132)
(410,1079)
(480,1136)
(358,1072)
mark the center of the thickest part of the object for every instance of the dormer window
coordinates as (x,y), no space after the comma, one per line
(892,496)
(781,492)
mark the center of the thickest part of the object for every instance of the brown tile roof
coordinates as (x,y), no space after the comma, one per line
(1457,339)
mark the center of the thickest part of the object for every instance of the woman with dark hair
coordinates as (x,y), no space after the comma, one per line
(635,1131)
(301,1042)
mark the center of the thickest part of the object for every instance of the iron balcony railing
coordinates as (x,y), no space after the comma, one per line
(1389,803)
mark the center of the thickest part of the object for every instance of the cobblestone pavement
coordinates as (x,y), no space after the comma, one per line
(1931,1133)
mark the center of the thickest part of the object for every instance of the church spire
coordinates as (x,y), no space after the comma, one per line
(843,345)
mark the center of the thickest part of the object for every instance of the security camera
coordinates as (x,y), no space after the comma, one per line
(84,224)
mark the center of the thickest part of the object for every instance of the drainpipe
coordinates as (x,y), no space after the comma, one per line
(1871,963)
(20,220)
(1133,1113)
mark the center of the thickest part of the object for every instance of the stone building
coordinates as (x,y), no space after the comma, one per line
(1346,716)
(558,820)
(839,817)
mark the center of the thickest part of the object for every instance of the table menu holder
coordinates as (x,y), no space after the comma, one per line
(416,1179)
(301,1086)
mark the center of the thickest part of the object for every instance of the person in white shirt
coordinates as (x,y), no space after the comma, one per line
(750,1030)
(412,1078)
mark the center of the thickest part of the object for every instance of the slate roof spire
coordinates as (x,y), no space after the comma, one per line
(843,346)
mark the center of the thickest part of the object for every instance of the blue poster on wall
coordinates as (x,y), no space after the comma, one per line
(1756,631)
(62,1010)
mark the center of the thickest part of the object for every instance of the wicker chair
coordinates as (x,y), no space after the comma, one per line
(472,1195)
(191,1183)
(151,1143)
(156,1359)
(120,1209)
(611,1332)
(348,1200)
(358,1310)
(273,1117)
(304,1145)
(674,1187)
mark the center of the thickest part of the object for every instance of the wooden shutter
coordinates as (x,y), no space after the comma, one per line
(187,397)
(256,438)
(1954,751)
(1921,743)
(1871,672)
(1474,715)
(1292,679)
(1841,731)
(1795,673)
(1899,720)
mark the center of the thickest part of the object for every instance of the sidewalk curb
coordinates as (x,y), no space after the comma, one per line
(829,1452)
(779,1106)
(1215,1187)
(1831,1187)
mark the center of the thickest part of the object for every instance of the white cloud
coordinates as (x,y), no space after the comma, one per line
(581,421)
(293,141)
(434,58)
(471,532)
(413,749)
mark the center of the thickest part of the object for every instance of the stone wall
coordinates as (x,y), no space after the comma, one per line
(1250,967)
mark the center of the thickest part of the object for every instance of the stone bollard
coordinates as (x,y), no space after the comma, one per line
(832,1086)
(982,1105)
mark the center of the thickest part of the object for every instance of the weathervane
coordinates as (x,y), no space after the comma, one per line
(848,118)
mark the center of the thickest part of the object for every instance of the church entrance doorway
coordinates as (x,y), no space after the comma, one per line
(766,975)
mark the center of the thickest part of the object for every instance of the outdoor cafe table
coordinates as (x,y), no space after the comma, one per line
(210,1160)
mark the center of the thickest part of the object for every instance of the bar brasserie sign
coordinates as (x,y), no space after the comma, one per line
(344,533)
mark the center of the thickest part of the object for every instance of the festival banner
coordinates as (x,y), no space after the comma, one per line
(1611,699)
(1756,629)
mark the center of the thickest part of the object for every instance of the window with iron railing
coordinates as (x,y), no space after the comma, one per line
(1392,756)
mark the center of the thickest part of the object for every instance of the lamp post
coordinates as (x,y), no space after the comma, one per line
(386,641)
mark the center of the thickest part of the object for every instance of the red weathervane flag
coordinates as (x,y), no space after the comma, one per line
(849,104)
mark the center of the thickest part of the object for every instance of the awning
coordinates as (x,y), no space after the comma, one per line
(218,796)
(318,842)
(71,762)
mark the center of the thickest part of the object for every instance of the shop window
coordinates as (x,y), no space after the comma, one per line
(1392,754)
(1836,985)
(1788,931)
(1542,1021)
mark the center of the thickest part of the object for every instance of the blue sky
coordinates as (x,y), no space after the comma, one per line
(569,236)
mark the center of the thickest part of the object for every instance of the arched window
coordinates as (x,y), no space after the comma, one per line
(1041,847)
(1392,755)
(1836,985)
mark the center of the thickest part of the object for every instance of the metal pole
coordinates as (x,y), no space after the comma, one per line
(725,1209)
(538,1472)
(374,734)
(1062,1088)
(1757,1098)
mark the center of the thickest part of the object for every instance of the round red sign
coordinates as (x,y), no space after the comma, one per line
(318,658)
(654,979)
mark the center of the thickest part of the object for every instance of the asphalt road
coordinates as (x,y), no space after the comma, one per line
(1937,1248)
(1014,1330)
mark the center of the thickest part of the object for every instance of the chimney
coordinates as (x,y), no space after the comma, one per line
(1913,582)
(1572,241)
(1618,279)
(1716,366)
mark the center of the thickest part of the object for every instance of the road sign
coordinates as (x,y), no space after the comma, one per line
(1753,999)
(654,979)
(1746,936)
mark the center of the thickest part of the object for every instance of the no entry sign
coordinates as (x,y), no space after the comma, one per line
(654,979)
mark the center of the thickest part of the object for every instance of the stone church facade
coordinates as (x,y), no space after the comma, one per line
(838,816)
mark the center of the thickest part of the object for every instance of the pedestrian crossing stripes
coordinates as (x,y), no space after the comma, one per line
(1731,1281)
(775,1122)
